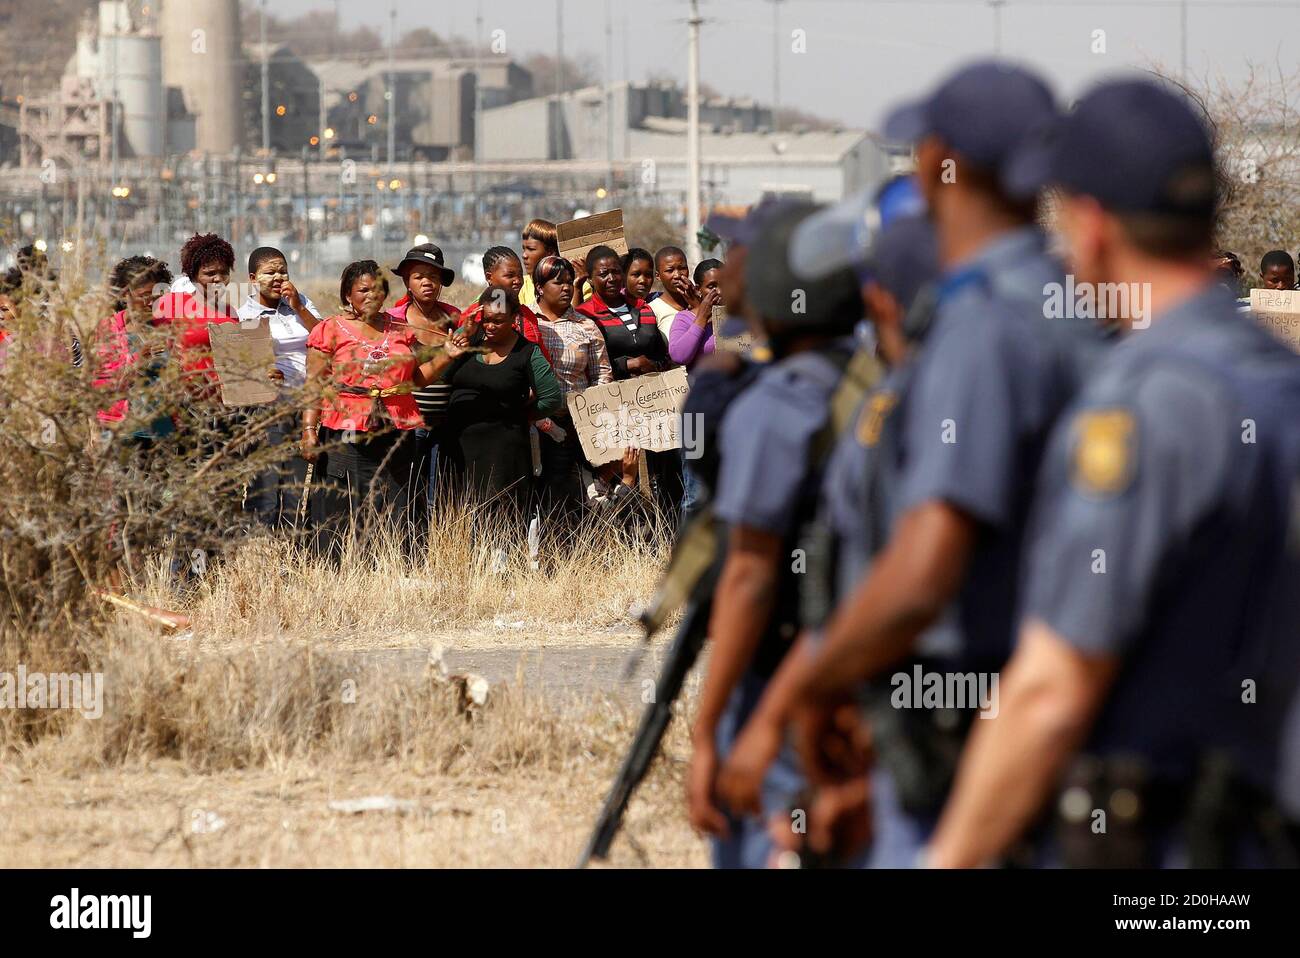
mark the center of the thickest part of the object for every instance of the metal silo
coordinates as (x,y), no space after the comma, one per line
(202,56)
(133,62)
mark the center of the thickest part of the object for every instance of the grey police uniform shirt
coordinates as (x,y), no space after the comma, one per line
(767,481)
(766,440)
(858,499)
(1149,537)
(989,381)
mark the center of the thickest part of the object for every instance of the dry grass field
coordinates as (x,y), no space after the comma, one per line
(225,746)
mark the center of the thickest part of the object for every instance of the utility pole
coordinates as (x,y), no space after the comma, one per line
(997,6)
(266,84)
(609,103)
(478,81)
(320,117)
(693,138)
(306,209)
(117,108)
(478,99)
(559,79)
(391,93)
(1182,22)
(776,65)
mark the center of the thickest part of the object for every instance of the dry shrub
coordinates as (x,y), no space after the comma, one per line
(84,502)
(649,228)
(78,518)
(1255,122)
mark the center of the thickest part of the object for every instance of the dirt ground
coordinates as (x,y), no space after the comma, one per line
(162,816)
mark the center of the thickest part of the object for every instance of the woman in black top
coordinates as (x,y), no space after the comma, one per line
(494,392)
(631,335)
(636,348)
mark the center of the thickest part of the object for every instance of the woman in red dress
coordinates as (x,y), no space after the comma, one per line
(206,261)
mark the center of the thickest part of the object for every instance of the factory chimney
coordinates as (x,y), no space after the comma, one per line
(202,55)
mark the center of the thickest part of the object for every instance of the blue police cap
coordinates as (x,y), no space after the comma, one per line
(1134,145)
(841,235)
(905,257)
(744,230)
(984,111)
(785,299)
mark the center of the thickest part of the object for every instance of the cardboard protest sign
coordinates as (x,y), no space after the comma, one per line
(243,358)
(644,412)
(1279,310)
(577,238)
(743,344)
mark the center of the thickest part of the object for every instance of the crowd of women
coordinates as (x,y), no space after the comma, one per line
(398,401)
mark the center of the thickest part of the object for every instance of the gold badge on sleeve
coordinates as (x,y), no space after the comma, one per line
(871,421)
(1105,451)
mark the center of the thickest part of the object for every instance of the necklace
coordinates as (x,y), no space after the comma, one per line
(378,352)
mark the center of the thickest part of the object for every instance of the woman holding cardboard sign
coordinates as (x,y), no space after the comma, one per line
(206,261)
(627,323)
(636,348)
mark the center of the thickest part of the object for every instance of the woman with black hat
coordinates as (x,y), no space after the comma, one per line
(425,276)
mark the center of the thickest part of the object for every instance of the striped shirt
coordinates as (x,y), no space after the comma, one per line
(624,342)
(431,400)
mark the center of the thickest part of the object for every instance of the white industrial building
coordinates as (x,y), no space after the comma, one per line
(638,128)
(739,169)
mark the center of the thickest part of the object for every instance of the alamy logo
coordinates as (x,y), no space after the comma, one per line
(53,690)
(1100,301)
(919,689)
(134,912)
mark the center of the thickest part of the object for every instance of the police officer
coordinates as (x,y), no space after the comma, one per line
(901,266)
(987,386)
(771,441)
(854,505)
(1161,627)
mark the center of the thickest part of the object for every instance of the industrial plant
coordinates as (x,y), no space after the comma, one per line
(168,118)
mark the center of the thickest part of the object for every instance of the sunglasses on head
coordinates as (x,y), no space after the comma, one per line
(552,267)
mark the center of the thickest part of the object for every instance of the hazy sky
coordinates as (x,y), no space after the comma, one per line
(862,55)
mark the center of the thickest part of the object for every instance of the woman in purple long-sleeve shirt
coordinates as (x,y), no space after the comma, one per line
(691,334)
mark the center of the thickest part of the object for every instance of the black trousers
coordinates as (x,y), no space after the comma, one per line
(275,496)
(560,488)
(376,480)
(665,469)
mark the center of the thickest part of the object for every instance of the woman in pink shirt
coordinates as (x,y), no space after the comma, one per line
(122,342)
(691,334)
(368,366)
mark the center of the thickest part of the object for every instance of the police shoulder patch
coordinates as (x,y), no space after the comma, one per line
(1105,451)
(871,420)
